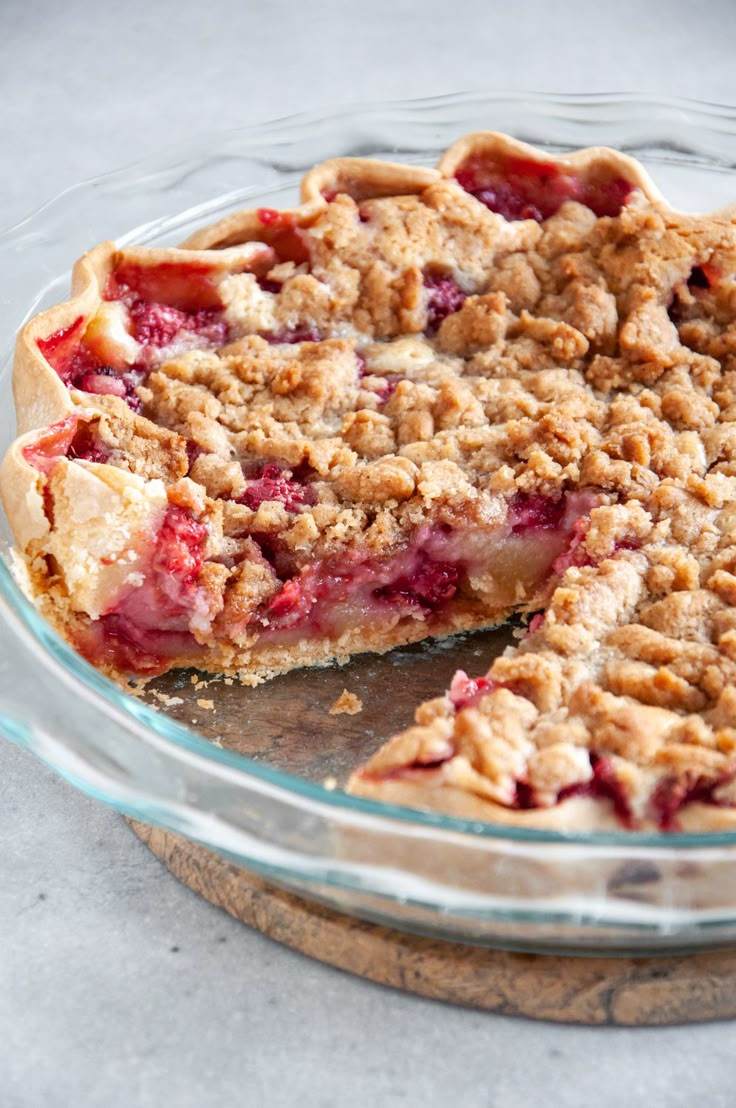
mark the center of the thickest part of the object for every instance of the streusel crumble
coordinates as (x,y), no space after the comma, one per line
(420,402)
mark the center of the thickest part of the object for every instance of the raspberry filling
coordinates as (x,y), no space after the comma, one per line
(158,325)
(188,287)
(68,438)
(604,785)
(534,512)
(521,188)
(436,570)
(331,596)
(444,297)
(55,442)
(427,586)
(112,354)
(60,348)
(466,692)
(79,368)
(383,386)
(150,624)
(672,795)
(271,482)
(281,233)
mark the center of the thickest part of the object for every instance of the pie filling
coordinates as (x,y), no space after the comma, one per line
(439,571)
(523,188)
(129,334)
(405,417)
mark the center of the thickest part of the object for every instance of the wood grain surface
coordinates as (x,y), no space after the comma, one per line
(600,991)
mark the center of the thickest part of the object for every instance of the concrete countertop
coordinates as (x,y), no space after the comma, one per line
(119,987)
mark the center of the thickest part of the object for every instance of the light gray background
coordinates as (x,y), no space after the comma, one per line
(118,987)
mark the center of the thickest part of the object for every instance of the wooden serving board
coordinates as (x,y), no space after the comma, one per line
(601,991)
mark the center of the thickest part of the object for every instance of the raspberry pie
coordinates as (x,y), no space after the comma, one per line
(418,403)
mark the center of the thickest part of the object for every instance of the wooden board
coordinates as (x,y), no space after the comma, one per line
(613,991)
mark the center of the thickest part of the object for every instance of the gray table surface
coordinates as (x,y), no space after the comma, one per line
(118,987)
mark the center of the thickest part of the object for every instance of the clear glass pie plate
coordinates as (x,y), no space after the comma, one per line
(251,773)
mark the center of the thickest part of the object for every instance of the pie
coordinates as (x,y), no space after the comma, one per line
(420,402)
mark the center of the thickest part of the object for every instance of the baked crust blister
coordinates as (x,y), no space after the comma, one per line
(418,402)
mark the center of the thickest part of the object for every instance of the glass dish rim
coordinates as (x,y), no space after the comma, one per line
(126,705)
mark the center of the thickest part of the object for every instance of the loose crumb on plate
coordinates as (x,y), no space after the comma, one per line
(166,700)
(347,704)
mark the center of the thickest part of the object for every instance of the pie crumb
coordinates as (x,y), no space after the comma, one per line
(166,700)
(347,704)
(330,783)
(209,705)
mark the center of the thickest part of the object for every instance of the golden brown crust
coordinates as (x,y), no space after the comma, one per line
(39,394)
(22,495)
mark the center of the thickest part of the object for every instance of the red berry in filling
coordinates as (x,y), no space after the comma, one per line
(536,622)
(534,512)
(505,201)
(291,605)
(51,444)
(60,348)
(179,554)
(272,217)
(273,483)
(158,325)
(604,785)
(444,297)
(102,382)
(387,388)
(520,188)
(608,197)
(672,794)
(86,446)
(465,692)
(188,286)
(428,586)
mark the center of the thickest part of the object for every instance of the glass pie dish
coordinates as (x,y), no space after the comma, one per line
(255,774)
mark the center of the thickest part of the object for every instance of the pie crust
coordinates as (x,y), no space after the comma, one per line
(421,401)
